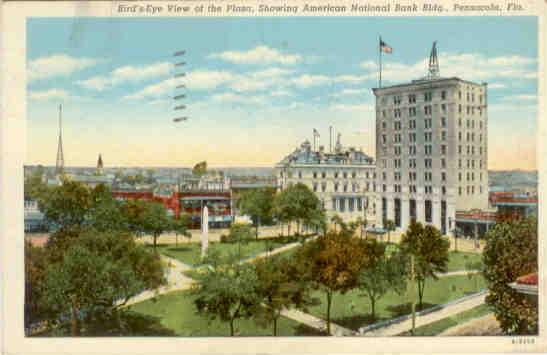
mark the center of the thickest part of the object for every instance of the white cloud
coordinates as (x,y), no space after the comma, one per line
(307,80)
(52,94)
(352,92)
(497,86)
(354,107)
(207,79)
(57,65)
(258,55)
(279,93)
(124,74)
(369,65)
(229,97)
(469,66)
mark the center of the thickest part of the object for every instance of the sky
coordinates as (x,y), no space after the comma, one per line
(257,87)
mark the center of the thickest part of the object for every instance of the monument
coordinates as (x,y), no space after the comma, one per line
(204,231)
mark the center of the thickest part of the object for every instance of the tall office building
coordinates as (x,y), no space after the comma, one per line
(431,149)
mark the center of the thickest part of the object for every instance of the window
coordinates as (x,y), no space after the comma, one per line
(411,98)
(412,163)
(397,125)
(412,124)
(443,95)
(443,163)
(412,111)
(443,122)
(384,113)
(428,96)
(300,175)
(412,150)
(335,187)
(428,136)
(427,163)
(323,187)
(459,149)
(397,112)
(427,110)
(460,176)
(323,175)
(351,204)
(314,187)
(443,135)
(315,174)
(345,187)
(428,149)
(336,174)
(353,174)
(384,125)
(383,139)
(342,204)
(428,211)
(427,123)
(443,176)
(397,100)
(459,108)
(460,190)
(443,108)
(443,190)
(345,174)
(460,94)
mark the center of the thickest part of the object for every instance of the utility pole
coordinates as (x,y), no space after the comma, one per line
(413,278)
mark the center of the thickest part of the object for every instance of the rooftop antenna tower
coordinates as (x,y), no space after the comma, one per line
(433,71)
(60,162)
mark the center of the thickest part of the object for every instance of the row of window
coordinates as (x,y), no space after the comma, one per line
(353,203)
(470,176)
(397,150)
(470,149)
(345,187)
(428,189)
(428,123)
(428,96)
(412,163)
(323,175)
(470,190)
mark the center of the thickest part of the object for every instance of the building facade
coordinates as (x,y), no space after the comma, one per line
(431,150)
(344,180)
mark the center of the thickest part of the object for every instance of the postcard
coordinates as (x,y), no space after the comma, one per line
(273,177)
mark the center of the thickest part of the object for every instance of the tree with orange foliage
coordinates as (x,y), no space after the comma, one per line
(333,262)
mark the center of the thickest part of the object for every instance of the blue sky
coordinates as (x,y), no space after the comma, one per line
(258,86)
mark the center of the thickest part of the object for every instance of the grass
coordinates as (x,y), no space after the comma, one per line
(458,260)
(190,253)
(177,313)
(438,327)
(352,309)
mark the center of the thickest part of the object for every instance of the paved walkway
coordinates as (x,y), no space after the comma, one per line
(458,273)
(447,311)
(317,323)
(485,325)
(176,281)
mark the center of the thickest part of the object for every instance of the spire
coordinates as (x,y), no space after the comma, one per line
(433,62)
(60,162)
(100,165)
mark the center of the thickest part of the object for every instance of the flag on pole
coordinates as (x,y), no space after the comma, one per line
(315,133)
(384,47)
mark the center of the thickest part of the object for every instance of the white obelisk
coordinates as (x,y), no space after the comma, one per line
(204,231)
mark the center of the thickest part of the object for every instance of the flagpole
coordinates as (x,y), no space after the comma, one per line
(380,60)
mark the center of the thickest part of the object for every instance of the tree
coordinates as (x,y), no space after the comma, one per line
(228,293)
(389,225)
(258,204)
(358,223)
(384,273)
(241,234)
(147,218)
(35,274)
(299,204)
(34,186)
(336,220)
(99,272)
(511,251)
(430,250)
(279,286)
(332,263)
(180,227)
(200,169)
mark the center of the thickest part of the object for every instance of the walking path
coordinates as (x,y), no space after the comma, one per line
(446,310)
(316,323)
(176,281)
(485,325)
(458,273)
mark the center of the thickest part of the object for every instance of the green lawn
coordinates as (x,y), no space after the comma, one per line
(175,312)
(458,260)
(438,327)
(352,310)
(190,253)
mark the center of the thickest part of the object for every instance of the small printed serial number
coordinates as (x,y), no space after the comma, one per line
(524,341)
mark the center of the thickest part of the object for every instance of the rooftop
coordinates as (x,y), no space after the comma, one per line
(341,156)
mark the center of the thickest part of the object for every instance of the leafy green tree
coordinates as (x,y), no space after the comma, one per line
(180,227)
(98,273)
(258,204)
(430,250)
(34,186)
(332,263)
(147,218)
(298,203)
(105,213)
(389,225)
(384,273)
(228,293)
(241,234)
(67,204)
(200,169)
(35,274)
(511,251)
(279,286)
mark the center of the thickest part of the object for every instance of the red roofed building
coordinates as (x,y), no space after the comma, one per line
(527,285)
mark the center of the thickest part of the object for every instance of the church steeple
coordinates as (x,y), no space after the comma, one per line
(60,162)
(100,165)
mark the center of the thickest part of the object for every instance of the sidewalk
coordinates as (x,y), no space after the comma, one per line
(447,310)
(316,323)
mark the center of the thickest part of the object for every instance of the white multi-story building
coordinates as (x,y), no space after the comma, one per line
(344,180)
(431,149)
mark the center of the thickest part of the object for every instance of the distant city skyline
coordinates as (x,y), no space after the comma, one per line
(257,87)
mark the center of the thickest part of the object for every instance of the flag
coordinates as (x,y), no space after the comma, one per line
(384,47)
(315,133)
